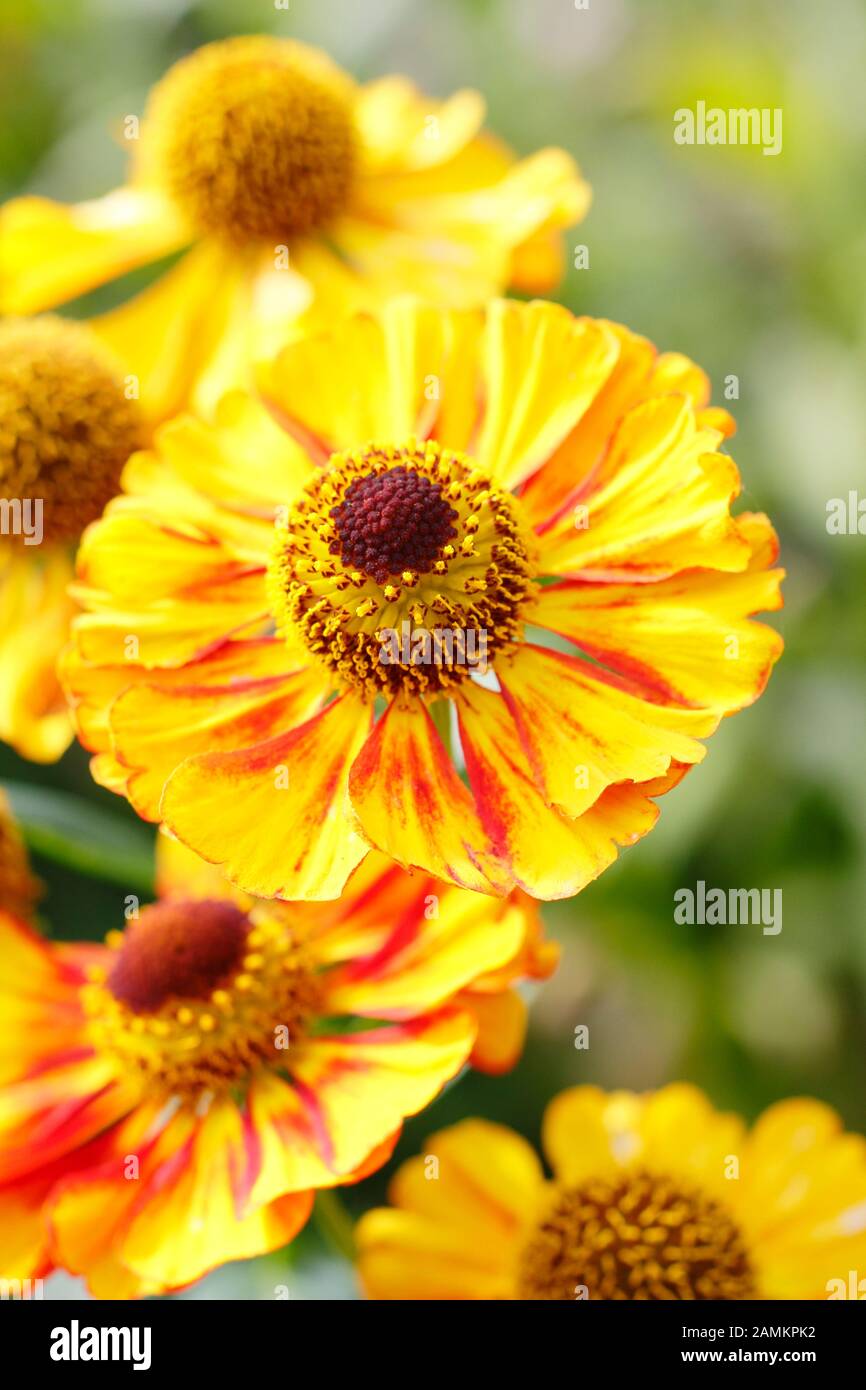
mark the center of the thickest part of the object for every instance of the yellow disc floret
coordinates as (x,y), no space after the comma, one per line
(200,994)
(402,568)
(253,137)
(635,1236)
(66,426)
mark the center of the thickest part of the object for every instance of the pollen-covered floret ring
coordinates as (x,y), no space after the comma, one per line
(391,542)
(199,994)
(636,1236)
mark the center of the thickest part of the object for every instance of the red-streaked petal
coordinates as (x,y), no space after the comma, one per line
(276,816)
(412,804)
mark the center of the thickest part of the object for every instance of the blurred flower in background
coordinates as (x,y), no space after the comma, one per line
(304,197)
(653,1197)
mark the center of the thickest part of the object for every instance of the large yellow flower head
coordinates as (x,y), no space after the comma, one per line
(67,427)
(301,195)
(655,1196)
(514,517)
(168,1101)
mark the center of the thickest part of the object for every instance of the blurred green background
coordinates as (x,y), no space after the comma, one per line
(754,266)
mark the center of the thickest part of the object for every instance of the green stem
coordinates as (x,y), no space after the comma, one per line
(440,713)
(335,1223)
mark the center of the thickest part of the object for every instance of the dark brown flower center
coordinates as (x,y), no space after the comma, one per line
(390,522)
(394,555)
(178,950)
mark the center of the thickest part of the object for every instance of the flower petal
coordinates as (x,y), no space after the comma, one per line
(639,375)
(35,614)
(180,1216)
(427,957)
(57,1110)
(393,123)
(687,639)
(244,460)
(276,816)
(155,729)
(358,1087)
(235,665)
(455,1234)
(171,631)
(502,1021)
(581,732)
(41,1019)
(543,368)
(51,253)
(169,335)
(412,804)
(549,854)
(660,505)
(332,390)
(802,1199)
(587,1132)
(683,1134)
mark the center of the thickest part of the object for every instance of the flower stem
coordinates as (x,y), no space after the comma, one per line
(334,1223)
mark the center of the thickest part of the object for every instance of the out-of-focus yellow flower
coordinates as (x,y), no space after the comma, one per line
(473,474)
(655,1196)
(302,196)
(66,430)
(169,1100)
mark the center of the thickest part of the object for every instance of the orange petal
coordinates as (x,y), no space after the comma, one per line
(581,732)
(24,1241)
(687,639)
(174,630)
(139,561)
(41,1019)
(502,1020)
(437,947)
(154,729)
(549,854)
(91,689)
(412,804)
(573,462)
(181,1211)
(660,504)
(59,1109)
(358,1087)
(276,816)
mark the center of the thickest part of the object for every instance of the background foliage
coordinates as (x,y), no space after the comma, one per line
(755,266)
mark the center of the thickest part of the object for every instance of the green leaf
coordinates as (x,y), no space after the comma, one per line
(66,829)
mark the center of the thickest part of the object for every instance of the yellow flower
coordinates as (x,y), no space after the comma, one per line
(655,1196)
(169,1100)
(302,195)
(415,473)
(66,430)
